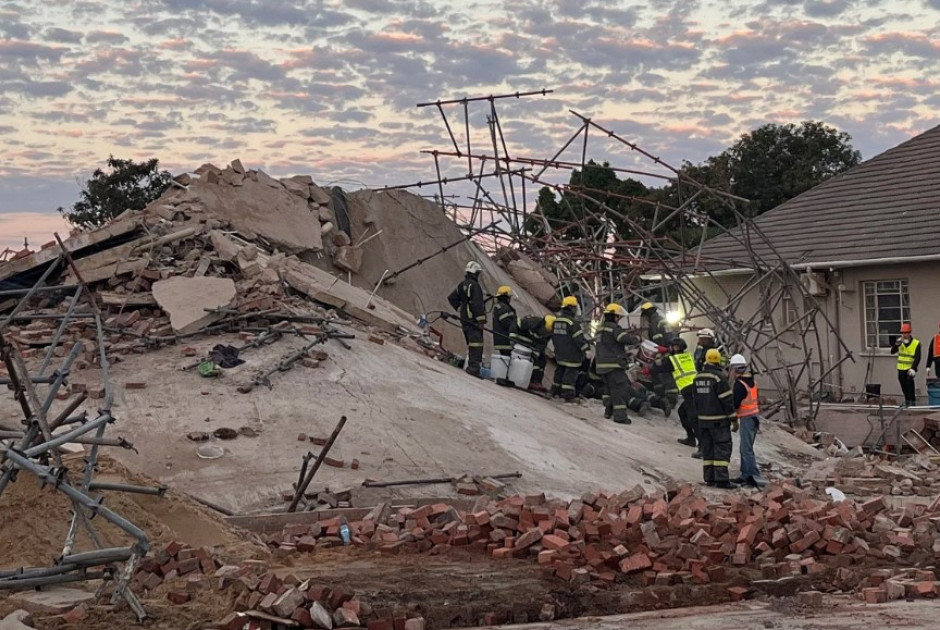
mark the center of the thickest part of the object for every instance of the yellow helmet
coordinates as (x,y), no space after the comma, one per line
(504,290)
(549,322)
(613,308)
(569,301)
(713,356)
(647,306)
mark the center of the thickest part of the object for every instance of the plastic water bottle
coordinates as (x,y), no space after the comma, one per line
(344,531)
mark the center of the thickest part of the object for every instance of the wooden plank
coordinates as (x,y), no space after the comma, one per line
(116,269)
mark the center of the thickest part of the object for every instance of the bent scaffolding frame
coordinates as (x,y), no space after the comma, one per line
(601,264)
(33,449)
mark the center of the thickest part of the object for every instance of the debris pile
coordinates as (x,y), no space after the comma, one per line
(918,475)
(671,538)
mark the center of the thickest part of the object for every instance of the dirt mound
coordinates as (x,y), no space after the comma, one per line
(34,521)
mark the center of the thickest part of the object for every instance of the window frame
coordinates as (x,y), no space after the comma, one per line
(904,307)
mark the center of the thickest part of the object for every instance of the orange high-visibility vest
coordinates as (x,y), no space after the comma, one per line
(936,346)
(748,406)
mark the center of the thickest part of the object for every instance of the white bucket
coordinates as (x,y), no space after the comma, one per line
(649,349)
(521,352)
(499,367)
(520,371)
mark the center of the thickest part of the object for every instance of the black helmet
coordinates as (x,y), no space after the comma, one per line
(680,343)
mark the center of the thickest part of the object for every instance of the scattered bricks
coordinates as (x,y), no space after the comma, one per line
(135,385)
(355,464)
(528,539)
(340,596)
(270,583)
(811,599)
(320,616)
(150,581)
(232,621)
(268,601)
(716,573)
(894,589)
(96,393)
(738,593)
(189,565)
(301,437)
(172,548)
(376,339)
(468,489)
(302,617)
(922,589)
(502,552)
(77,614)
(635,563)
(491,486)
(554,542)
(534,499)
(287,602)
(874,506)
(318,441)
(189,351)
(890,551)
(806,542)
(416,623)
(178,597)
(580,576)
(345,618)
(874,595)
(335,463)
(546,556)
(78,388)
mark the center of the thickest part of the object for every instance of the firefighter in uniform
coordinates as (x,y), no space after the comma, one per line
(570,349)
(611,361)
(504,321)
(683,374)
(661,371)
(656,327)
(908,350)
(467,300)
(534,332)
(714,405)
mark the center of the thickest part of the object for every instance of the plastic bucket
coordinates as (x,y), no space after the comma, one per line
(520,372)
(933,392)
(499,366)
(521,352)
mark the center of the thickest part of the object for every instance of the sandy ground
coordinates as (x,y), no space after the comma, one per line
(408,417)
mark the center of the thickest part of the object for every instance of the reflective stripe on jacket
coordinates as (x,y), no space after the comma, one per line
(683,369)
(748,406)
(568,338)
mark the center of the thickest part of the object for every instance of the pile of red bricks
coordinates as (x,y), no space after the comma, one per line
(666,538)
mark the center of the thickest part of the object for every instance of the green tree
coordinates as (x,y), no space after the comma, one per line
(127,185)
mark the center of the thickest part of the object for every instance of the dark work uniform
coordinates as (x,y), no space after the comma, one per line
(504,324)
(658,331)
(467,300)
(570,348)
(610,363)
(530,331)
(664,385)
(714,405)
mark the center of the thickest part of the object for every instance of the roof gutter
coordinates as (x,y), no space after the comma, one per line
(870,262)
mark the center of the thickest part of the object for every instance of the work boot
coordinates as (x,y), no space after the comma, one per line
(697,454)
(570,399)
(555,391)
(475,373)
(644,407)
(608,414)
(623,420)
(537,387)
(726,485)
(689,441)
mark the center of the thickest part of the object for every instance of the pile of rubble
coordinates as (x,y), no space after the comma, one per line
(917,475)
(671,538)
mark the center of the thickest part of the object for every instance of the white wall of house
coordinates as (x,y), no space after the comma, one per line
(845,306)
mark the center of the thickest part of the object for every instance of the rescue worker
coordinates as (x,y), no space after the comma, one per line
(611,362)
(706,340)
(714,405)
(664,385)
(748,412)
(570,349)
(683,374)
(534,332)
(467,300)
(908,350)
(933,355)
(656,327)
(638,399)
(504,321)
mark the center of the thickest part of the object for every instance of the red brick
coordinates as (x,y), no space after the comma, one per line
(923,589)
(554,542)
(135,385)
(355,464)
(636,562)
(335,463)
(302,616)
(875,595)
(502,552)
(76,614)
(738,593)
(528,539)
(178,597)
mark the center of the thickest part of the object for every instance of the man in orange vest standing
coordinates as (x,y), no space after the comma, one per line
(933,356)
(908,350)
(748,419)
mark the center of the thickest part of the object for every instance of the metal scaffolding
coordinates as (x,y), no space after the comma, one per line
(602,254)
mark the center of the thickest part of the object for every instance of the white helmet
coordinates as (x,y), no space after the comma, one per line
(706,332)
(738,361)
(473,267)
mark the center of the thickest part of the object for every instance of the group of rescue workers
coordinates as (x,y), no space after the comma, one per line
(714,401)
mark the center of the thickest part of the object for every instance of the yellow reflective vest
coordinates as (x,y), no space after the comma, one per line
(683,369)
(906,354)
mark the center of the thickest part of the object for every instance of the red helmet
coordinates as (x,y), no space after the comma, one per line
(905,328)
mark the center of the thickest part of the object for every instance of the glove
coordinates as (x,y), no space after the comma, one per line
(928,372)
(912,373)
(662,349)
(734,425)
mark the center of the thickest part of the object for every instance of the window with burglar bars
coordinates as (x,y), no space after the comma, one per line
(887,306)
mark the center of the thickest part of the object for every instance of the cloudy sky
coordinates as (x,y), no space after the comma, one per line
(329,88)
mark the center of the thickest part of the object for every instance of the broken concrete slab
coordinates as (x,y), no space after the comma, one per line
(320,196)
(325,288)
(17,620)
(185,300)
(299,189)
(225,248)
(263,208)
(348,257)
(52,601)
